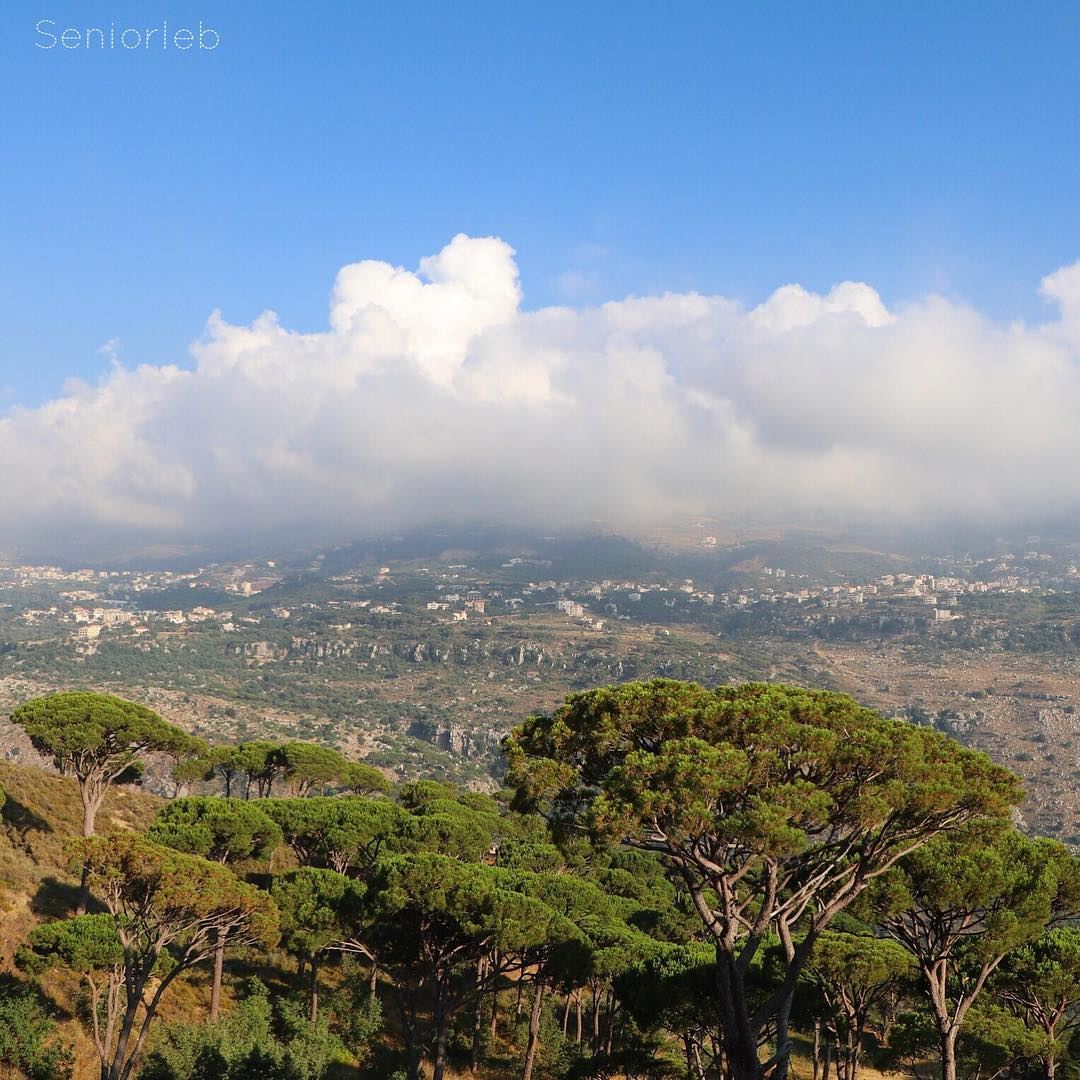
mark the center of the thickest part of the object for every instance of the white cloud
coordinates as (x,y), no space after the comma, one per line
(434,396)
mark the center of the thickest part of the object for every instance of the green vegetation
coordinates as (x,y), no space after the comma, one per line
(678,882)
(776,806)
(225,831)
(253,1042)
(97,738)
(965,902)
(29,1043)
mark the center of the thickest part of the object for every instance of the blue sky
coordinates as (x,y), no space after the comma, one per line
(622,149)
(619,147)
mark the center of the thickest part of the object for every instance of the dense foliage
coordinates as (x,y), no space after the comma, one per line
(678,881)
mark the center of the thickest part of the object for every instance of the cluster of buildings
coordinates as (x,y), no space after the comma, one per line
(941,593)
(93,602)
(90,622)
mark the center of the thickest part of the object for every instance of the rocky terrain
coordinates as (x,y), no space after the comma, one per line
(1022,710)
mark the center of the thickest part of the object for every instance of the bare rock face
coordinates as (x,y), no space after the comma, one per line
(1064,720)
(467,743)
(961,723)
(528,654)
(303,648)
(260,650)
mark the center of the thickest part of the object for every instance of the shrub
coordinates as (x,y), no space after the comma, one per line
(249,1043)
(28,1042)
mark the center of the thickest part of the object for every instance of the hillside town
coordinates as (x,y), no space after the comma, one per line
(90,602)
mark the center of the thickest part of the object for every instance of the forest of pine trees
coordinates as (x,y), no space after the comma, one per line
(737,883)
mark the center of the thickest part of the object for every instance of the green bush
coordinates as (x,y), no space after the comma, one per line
(28,1042)
(255,1041)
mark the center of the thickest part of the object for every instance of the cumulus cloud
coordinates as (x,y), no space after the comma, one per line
(434,396)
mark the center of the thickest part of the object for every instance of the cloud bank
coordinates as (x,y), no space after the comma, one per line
(433,396)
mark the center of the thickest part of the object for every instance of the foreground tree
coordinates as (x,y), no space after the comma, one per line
(432,920)
(1040,984)
(225,831)
(856,975)
(89,947)
(452,827)
(673,988)
(97,738)
(345,834)
(775,806)
(319,908)
(263,1037)
(961,904)
(362,779)
(308,765)
(590,940)
(29,1046)
(168,912)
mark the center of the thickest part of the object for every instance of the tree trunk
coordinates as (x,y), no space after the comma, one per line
(150,1011)
(699,1068)
(407,1004)
(90,808)
(313,1014)
(442,1024)
(743,1062)
(534,1030)
(694,1068)
(817,1048)
(215,985)
(783,1042)
(577,1009)
(948,1055)
(478,1018)
(856,1053)
(83,900)
(119,1067)
(740,1037)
